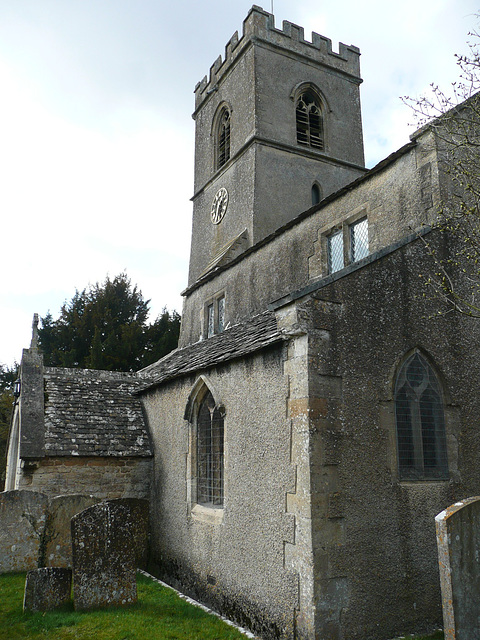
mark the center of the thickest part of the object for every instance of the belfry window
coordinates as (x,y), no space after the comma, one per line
(420,422)
(309,120)
(223,139)
(209,453)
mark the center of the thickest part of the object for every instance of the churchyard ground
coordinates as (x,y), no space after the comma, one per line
(159,613)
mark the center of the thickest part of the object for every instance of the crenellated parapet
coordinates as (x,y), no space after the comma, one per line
(259,26)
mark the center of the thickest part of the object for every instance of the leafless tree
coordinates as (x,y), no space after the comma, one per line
(454,118)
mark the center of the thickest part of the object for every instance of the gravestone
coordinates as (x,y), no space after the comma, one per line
(22,525)
(139,516)
(58,547)
(458,540)
(47,589)
(103,553)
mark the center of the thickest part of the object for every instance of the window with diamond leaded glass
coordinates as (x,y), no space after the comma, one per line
(359,239)
(309,120)
(347,245)
(420,422)
(209,453)
(335,251)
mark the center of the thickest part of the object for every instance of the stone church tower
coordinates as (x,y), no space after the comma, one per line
(278,127)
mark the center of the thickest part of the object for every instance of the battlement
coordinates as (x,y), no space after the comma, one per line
(259,25)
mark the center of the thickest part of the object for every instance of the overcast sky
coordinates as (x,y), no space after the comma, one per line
(96,135)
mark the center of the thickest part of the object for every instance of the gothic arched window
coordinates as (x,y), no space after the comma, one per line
(209,453)
(309,120)
(420,421)
(316,194)
(222,142)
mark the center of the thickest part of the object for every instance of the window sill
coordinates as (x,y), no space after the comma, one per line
(209,515)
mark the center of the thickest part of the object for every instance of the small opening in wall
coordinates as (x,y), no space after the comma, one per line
(316,197)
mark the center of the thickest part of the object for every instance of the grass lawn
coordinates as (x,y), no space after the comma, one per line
(158,614)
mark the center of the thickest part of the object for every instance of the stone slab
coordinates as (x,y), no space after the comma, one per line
(458,540)
(59,537)
(139,517)
(47,589)
(104,572)
(22,524)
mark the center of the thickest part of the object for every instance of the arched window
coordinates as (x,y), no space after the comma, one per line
(420,422)
(316,194)
(222,142)
(209,453)
(309,120)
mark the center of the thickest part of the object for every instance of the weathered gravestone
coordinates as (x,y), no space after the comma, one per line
(47,589)
(139,516)
(103,556)
(458,540)
(22,524)
(58,547)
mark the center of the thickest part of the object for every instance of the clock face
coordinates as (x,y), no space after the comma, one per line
(219,205)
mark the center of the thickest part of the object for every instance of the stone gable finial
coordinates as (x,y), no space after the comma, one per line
(34,342)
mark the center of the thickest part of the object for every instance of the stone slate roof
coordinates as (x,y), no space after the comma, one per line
(235,342)
(93,413)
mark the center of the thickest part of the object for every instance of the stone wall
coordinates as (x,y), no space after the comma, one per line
(232,558)
(104,478)
(374,545)
(295,258)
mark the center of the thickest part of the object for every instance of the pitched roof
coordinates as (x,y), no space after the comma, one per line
(93,413)
(235,342)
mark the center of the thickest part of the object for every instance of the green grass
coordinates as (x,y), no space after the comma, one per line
(159,614)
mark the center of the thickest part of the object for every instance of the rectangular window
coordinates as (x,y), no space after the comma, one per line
(210,321)
(335,252)
(221,314)
(359,240)
(214,317)
(347,245)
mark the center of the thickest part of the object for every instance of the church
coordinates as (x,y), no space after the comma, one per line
(319,411)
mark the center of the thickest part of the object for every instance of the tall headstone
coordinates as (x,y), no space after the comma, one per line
(458,540)
(103,552)
(58,543)
(47,589)
(22,524)
(139,517)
